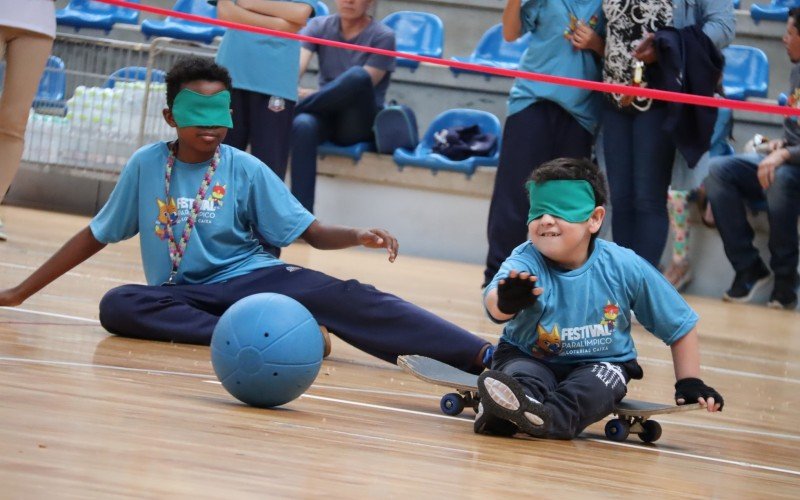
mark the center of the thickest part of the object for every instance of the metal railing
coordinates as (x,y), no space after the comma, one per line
(113,95)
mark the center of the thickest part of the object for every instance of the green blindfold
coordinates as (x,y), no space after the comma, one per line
(571,200)
(191,109)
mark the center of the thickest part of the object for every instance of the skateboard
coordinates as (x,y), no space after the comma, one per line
(632,416)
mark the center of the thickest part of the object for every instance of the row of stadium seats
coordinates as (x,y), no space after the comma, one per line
(776,10)
(746,75)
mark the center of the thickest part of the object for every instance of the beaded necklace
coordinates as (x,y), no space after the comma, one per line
(177,250)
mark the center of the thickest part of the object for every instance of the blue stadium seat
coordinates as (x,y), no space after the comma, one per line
(181,29)
(776,10)
(353,151)
(423,155)
(746,72)
(493,51)
(134,73)
(737,4)
(97,15)
(320,9)
(49,97)
(418,33)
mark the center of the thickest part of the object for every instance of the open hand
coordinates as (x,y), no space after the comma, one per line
(379,238)
(517,292)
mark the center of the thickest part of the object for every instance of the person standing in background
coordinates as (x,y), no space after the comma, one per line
(264,71)
(638,153)
(27,31)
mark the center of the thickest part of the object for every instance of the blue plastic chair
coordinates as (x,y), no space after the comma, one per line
(181,29)
(354,151)
(320,9)
(746,72)
(492,50)
(134,73)
(423,155)
(97,15)
(419,33)
(776,10)
(49,97)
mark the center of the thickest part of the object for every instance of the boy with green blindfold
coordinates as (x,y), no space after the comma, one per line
(566,354)
(197,206)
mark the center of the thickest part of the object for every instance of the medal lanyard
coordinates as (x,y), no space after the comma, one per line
(177,250)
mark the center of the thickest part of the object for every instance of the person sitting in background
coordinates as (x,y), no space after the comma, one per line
(352,89)
(772,174)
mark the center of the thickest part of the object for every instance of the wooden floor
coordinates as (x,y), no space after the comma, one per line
(84,414)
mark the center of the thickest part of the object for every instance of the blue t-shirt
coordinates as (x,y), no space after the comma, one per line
(244,196)
(583,315)
(549,52)
(261,63)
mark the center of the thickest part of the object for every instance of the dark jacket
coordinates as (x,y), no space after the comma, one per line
(688,62)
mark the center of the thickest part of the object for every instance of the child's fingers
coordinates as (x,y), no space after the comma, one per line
(538,291)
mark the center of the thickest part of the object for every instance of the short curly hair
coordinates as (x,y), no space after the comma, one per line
(574,169)
(193,68)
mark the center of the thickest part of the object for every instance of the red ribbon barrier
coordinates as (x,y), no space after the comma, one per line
(661,95)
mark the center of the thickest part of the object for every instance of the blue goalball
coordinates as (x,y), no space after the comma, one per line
(266,350)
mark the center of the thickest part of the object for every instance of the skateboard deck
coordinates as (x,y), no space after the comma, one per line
(634,416)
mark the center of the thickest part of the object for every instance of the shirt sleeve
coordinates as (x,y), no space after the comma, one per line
(385,63)
(119,218)
(274,212)
(719,21)
(312,28)
(659,307)
(529,14)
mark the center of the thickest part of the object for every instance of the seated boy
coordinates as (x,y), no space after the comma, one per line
(566,354)
(196,205)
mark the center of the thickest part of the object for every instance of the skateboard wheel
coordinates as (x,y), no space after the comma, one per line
(452,404)
(652,431)
(617,430)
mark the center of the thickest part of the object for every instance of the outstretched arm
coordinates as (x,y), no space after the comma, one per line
(326,237)
(82,246)
(689,388)
(513,294)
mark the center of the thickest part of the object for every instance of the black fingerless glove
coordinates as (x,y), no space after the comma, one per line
(689,389)
(515,295)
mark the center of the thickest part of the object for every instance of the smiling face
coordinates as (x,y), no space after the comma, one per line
(199,140)
(565,243)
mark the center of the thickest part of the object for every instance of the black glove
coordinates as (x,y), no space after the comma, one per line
(515,295)
(689,389)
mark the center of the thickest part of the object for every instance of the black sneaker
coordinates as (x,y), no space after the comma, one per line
(503,397)
(784,294)
(747,283)
(486,423)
